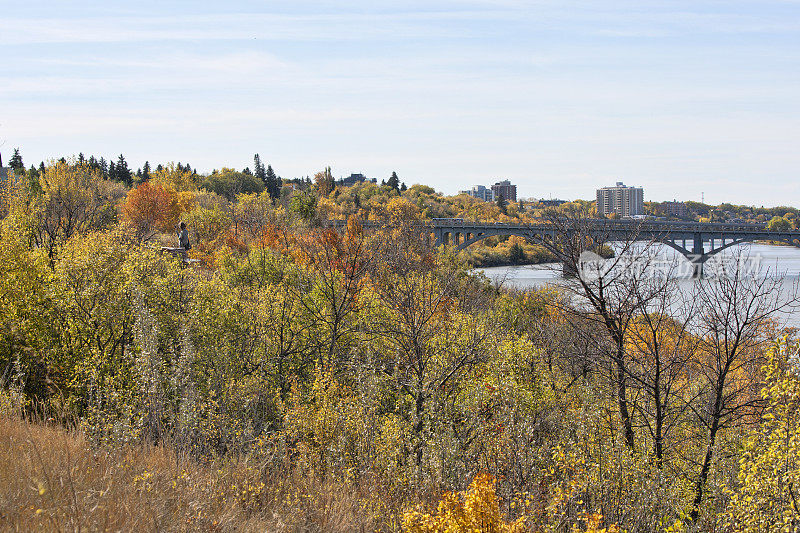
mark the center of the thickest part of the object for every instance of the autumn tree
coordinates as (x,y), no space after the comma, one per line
(765,497)
(334,269)
(735,311)
(778,223)
(151,207)
(661,350)
(304,204)
(615,291)
(230,183)
(74,200)
(324,182)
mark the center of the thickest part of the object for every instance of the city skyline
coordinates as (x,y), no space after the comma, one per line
(682,99)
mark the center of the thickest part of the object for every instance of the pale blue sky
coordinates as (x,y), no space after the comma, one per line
(560,97)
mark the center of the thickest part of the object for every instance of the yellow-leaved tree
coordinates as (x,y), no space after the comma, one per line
(476,509)
(768,491)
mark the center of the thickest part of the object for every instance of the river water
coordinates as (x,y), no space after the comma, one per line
(758,259)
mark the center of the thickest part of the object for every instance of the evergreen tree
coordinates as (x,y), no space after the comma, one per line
(146,171)
(112,171)
(259,171)
(403,187)
(516,254)
(160,167)
(81,159)
(41,168)
(357,201)
(247,171)
(33,180)
(104,168)
(123,172)
(394,182)
(502,204)
(16,162)
(272,183)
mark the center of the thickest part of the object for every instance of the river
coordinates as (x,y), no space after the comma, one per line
(761,259)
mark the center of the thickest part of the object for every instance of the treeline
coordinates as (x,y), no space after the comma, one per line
(381,369)
(786,217)
(315,200)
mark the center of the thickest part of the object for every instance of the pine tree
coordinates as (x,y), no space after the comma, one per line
(16,162)
(146,171)
(112,171)
(502,204)
(403,187)
(272,183)
(81,159)
(516,254)
(123,172)
(259,171)
(394,182)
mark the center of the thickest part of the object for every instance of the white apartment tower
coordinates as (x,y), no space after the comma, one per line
(622,200)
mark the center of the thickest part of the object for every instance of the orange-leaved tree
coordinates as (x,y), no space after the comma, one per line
(151,207)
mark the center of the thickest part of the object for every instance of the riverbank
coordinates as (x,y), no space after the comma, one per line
(516,254)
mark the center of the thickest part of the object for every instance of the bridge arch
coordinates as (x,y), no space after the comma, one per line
(531,237)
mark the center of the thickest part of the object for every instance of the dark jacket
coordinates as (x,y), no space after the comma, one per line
(183,239)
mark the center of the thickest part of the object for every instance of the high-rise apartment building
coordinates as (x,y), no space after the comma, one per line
(480,192)
(622,200)
(506,190)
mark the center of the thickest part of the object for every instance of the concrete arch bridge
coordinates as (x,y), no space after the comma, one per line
(697,242)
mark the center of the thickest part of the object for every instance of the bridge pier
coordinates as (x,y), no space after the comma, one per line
(697,263)
(698,256)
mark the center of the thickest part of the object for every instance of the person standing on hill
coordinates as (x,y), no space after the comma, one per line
(183,237)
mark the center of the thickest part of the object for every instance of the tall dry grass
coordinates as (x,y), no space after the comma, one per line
(51,479)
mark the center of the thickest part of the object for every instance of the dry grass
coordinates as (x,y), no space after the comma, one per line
(51,479)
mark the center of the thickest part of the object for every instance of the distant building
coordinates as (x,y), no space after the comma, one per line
(506,190)
(552,202)
(622,200)
(352,179)
(480,192)
(675,208)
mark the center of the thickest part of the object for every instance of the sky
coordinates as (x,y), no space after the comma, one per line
(687,99)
